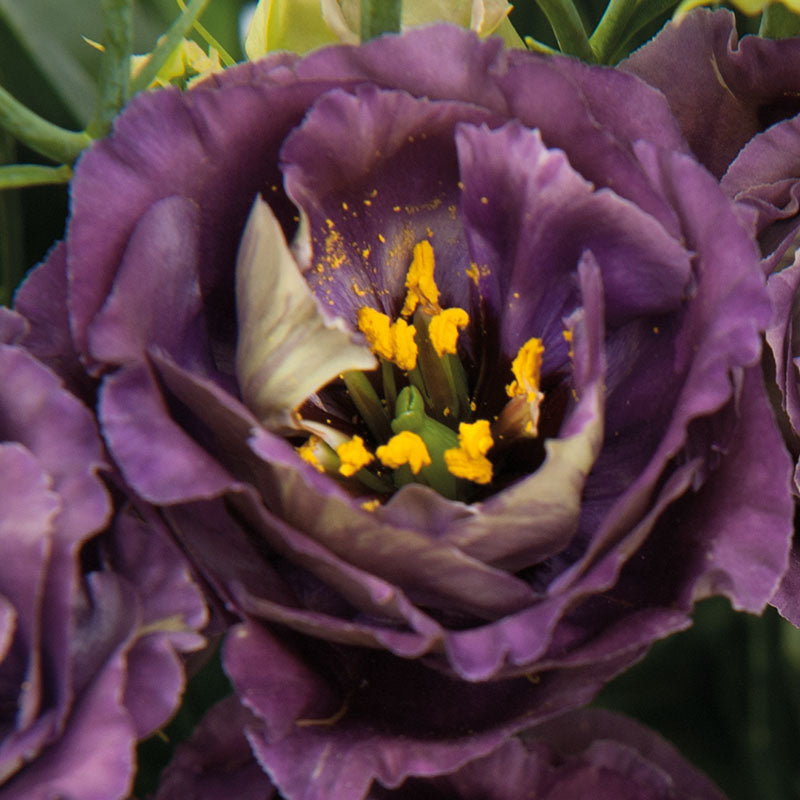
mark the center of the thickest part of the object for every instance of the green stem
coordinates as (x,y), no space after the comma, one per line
(224,56)
(379,16)
(777,22)
(612,28)
(368,404)
(167,45)
(115,70)
(535,46)
(389,383)
(12,266)
(18,176)
(43,137)
(568,27)
(643,15)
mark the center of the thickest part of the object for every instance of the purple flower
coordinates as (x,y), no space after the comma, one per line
(699,64)
(588,753)
(752,142)
(95,605)
(571,446)
(581,754)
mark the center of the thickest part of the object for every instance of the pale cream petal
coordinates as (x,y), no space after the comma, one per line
(287,348)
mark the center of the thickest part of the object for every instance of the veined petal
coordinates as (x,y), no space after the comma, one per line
(287,348)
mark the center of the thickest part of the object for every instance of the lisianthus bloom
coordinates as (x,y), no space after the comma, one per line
(753,145)
(96,605)
(512,259)
(590,753)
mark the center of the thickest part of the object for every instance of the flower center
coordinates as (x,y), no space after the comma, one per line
(417,406)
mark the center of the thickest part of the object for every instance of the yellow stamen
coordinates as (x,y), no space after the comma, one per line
(444,329)
(371,505)
(377,329)
(404,448)
(308,452)
(405,348)
(421,286)
(354,456)
(527,369)
(391,341)
(468,460)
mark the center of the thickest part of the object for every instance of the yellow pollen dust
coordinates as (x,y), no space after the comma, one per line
(404,448)
(421,286)
(444,328)
(353,455)
(307,452)
(527,369)
(468,460)
(391,341)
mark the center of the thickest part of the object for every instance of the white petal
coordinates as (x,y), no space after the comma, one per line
(287,348)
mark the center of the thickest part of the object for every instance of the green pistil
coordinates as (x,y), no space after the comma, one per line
(444,377)
(457,378)
(372,481)
(389,384)
(368,404)
(410,415)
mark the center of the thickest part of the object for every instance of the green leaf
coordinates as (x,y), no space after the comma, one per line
(778,22)
(37,133)
(568,28)
(12,265)
(18,176)
(53,42)
(116,64)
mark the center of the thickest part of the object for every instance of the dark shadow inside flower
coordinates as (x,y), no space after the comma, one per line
(784,106)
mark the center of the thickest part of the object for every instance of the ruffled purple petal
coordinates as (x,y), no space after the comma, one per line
(599,754)
(153,154)
(765,180)
(162,251)
(42,300)
(781,336)
(133,415)
(172,612)
(577,755)
(529,217)
(376,172)
(332,726)
(217,760)
(699,65)
(95,758)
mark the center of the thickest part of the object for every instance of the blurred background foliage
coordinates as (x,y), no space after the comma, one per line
(46,63)
(726,692)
